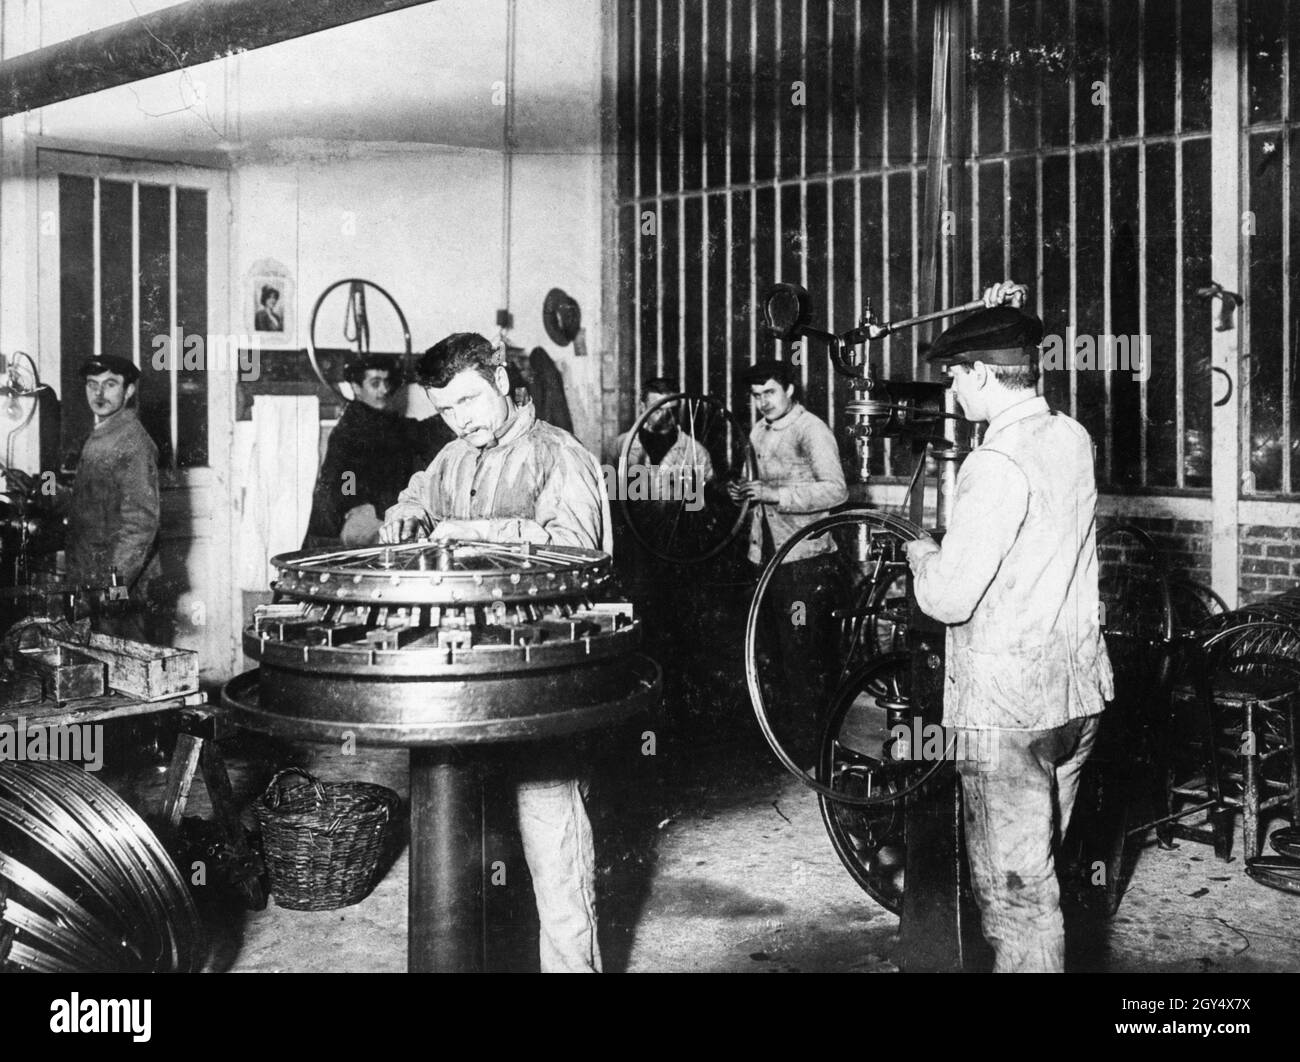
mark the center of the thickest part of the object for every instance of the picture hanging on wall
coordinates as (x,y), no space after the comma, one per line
(270,303)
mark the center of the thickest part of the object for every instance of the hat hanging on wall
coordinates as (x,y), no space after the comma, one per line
(562,317)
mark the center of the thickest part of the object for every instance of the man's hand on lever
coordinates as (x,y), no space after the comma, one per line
(1007,292)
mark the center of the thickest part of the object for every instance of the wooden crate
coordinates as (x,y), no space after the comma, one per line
(66,673)
(142,670)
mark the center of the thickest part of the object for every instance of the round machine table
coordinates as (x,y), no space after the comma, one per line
(451,650)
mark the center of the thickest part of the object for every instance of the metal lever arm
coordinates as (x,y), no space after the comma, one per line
(872,330)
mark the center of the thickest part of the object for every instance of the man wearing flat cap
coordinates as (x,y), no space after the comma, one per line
(1015,580)
(113,514)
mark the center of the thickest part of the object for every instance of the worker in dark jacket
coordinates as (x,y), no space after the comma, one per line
(114,511)
(368,459)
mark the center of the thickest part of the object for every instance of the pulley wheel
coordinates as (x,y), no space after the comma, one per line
(358,334)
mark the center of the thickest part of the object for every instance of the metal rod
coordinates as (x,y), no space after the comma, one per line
(908,322)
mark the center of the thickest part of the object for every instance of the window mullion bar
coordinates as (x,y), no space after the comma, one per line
(728,221)
(638,89)
(1144,418)
(886,161)
(1108,428)
(704,201)
(803,176)
(753,194)
(97,274)
(659,198)
(1180,403)
(1285,485)
(681,198)
(135,278)
(173,314)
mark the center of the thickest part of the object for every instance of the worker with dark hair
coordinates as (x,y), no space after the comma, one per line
(510,477)
(1015,580)
(114,510)
(661,444)
(799,479)
(368,459)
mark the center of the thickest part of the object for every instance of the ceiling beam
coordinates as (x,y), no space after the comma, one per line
(175,37)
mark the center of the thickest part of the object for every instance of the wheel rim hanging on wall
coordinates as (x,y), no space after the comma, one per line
(885,533)
(668,527)
(328,363)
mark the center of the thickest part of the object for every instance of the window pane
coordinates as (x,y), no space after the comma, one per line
(1196,321)
(116,307)
(1265,366)
(192,313)
(1161,316)
(76,303)
(154,396)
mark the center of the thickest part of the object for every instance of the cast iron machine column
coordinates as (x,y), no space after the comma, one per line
(453,651)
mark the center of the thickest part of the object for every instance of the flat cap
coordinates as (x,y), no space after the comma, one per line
(111,363)
(1001,335)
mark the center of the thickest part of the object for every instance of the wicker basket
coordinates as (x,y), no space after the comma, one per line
(322,841)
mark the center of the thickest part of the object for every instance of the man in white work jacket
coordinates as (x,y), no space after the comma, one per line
(1016,582)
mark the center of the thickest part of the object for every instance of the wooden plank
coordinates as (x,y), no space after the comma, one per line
(180,778)
(95,709)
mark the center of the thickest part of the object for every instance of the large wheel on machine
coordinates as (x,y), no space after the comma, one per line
(881,537)
(689,518)
(877,621)
(857,758)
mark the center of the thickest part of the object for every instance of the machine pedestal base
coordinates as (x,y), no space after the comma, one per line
(445,908)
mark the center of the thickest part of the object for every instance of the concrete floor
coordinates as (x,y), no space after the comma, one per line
(711,859)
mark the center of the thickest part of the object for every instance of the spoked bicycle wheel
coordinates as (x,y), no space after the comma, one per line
(675,501)
(877,621)
(881,538)
(1137,611)
(859,757)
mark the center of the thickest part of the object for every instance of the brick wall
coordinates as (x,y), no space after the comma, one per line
(1270,561)
(1183,544)
(1270,556)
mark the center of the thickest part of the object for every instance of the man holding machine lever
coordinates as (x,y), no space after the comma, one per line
(1016,582)
(509,477)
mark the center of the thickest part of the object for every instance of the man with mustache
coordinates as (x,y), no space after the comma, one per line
(509,477)
(114,512)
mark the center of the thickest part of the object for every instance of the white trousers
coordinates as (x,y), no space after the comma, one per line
(561,858)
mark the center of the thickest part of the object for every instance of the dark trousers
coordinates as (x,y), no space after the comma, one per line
(800,627)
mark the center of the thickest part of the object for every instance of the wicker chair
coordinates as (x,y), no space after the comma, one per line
(1234,720)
